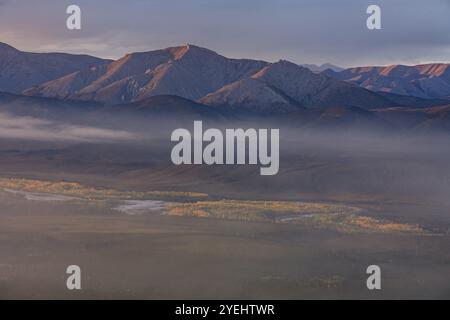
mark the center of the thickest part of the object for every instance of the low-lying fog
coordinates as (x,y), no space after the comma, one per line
(316,163)
(23,127)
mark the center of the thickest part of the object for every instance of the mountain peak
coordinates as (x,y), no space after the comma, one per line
(323,67)
(330,66)
(7,47)
(282,68)
(181,51)
(175,53)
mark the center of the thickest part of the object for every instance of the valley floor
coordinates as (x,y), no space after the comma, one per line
(148,254)
(144,229)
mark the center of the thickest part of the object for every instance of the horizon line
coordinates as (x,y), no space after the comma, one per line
(428,62)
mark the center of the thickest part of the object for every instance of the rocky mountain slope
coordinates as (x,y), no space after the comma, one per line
(285,86)
(21,70)
(187,71)
(202,75)
(428,81)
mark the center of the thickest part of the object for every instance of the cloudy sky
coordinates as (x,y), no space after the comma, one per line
(303,31)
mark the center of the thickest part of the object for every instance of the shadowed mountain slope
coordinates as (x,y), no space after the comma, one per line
(428,81)
(285,86)
(21,70)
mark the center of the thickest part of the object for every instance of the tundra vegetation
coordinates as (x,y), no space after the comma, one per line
(338,217)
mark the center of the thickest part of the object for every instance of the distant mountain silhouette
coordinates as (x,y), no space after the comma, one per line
(316,68)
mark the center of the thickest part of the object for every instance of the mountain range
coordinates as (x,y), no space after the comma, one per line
(286,87)
(429,81)
(192,79)
(202,75)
